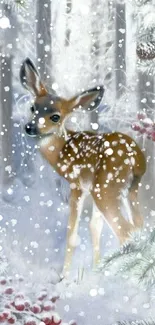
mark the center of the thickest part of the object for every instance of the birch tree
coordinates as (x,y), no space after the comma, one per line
(43,39)
(68,16)
(95,47)
(120,48)
(8,47)
(145,92)
(6,118)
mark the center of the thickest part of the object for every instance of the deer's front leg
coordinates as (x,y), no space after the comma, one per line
(76,204)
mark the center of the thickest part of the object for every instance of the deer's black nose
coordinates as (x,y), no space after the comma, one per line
(31,129)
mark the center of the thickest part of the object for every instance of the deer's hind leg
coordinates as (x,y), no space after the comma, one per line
(96,225)
(110,205)
(134,203)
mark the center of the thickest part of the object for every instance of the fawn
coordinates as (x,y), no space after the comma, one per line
(107,166)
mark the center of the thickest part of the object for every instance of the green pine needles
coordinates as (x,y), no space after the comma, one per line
(137,322)
(16,4)
(135,260)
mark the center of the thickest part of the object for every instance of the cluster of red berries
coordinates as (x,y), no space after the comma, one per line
(144,125)
(17,306)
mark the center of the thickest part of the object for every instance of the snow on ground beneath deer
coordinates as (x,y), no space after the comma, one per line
(89,298)
(96,299)
(102,299)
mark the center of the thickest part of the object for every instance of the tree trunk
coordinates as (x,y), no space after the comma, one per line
(145,97)
(68,13)
(6,117)
(43,39)
(120,54)
(10,34)
(146,100)
(95,49)
(110,20)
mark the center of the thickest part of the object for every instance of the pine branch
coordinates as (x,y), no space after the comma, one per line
(17,4)
(137,322)
(135,260)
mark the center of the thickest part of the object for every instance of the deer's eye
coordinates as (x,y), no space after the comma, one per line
(55,118)
(32,109)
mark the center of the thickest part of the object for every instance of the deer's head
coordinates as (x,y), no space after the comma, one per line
(49,111)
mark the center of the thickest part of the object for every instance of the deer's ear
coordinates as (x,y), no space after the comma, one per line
(30,78)
(88,100)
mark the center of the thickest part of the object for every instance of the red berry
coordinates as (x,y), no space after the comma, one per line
(35,309)
(9,291)
(142,130)
(42,295)
(141,115)
(3,281)
(48,306)
(153,135)
(30,322)
(2,317)
(20,306)
(147,122)
(47,320)
(12,320)
(149,131)
(6,313)
(136,126)
(54,297)
(27,304)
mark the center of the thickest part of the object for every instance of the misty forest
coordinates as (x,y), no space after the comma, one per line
(90,63)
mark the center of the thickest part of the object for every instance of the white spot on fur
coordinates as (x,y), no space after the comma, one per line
(110,176)
(75,149)
(114,143)
(126,161)
(72,186)
(45,141)
(129,148)
(120,152)
(133,144)
(64,168)
(51,148)
(76,170)
(122,141)
(132,161)
(41,120)
(106,144)
(109,151)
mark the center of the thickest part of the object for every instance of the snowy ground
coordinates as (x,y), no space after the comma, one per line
(103,300)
